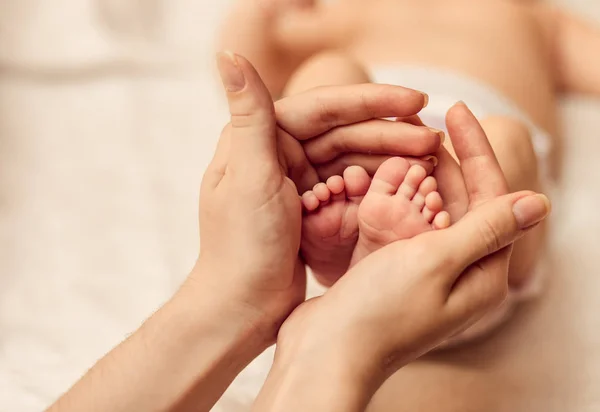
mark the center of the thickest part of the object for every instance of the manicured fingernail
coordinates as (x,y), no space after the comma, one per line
(439,132)
(531,210)
(431,159)
(231,73)
(425,99)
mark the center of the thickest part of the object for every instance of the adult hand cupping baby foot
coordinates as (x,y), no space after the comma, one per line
(410,296)
(248,277)
(346,128)
(250,211)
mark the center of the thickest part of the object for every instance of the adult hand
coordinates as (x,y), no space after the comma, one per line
(248,277)
(250,210)
(327,129)
(407,298)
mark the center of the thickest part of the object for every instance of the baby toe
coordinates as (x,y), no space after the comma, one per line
(434,202)
(322,192)
(441,221)
(357,181)
(433,206)
(390,176)
(427,186)
(336,184)
(411,183)
(310,201)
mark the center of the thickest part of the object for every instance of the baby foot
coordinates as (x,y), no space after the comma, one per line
(330,226)
(401,203)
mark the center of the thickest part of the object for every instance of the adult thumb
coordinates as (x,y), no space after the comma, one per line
(493,226)
(253,125)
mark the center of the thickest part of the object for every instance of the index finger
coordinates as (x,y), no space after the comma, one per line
(481,171)
(319,110)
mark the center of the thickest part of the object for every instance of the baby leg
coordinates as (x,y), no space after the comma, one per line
(511,141)
(326,69)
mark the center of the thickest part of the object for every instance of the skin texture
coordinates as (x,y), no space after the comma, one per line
(233,302)
(226,313)
(527,50)
(334,352)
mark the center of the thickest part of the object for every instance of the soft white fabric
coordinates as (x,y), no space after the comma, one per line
(445,88)
(108,115)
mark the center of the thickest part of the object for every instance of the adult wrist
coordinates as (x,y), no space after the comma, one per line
(260,306)
(322,364)
(221,310)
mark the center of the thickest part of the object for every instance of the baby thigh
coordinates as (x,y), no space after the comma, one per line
(511,140)
(330,68)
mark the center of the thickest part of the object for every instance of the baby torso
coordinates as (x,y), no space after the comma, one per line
(505,44)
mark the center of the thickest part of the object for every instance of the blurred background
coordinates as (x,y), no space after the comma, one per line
(109,113)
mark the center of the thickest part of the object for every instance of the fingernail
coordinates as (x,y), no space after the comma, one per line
(439,132)
(431,159)
(231,73)
(425,99)
(531,210)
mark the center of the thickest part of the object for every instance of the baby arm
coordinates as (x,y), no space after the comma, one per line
(250,30)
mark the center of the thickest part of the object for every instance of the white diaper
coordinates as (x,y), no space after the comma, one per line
(445,89)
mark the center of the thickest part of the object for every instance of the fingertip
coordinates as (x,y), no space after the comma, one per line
(231,72)
(433,160)
(460,105)
(531,210)
(456,109)
(425,99)
(440,133)
(458,114)
(441,221)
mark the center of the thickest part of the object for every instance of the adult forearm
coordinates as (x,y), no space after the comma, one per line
(182,359)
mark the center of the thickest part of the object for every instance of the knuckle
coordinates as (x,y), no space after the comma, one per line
(246,119)
(252,115)
(327,116)
(489,236)
(332,143)
(380,141)
(367,106)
